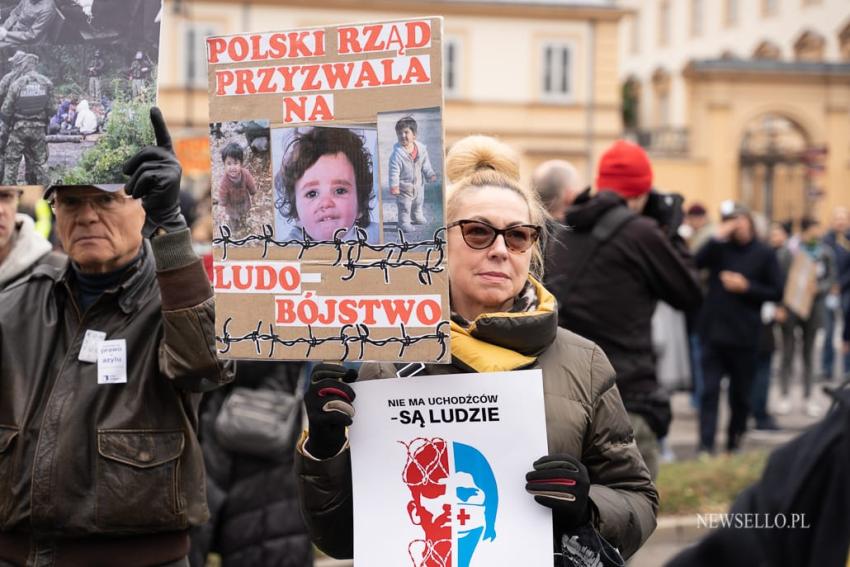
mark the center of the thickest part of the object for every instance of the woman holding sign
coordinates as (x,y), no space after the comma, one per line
(503,319)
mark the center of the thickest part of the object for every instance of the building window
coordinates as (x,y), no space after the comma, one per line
(731,17)
(557,66)
(664,23)
(767,51)
(195,58)
(696,17)
(809,47)
(452,64)
(769,8)
(661,88)
(636,34)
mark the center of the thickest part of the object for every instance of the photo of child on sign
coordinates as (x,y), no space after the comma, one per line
(241,180)
(324,184)
(411,155)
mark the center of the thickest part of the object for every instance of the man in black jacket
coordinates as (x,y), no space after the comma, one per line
(608,272)
(743,274)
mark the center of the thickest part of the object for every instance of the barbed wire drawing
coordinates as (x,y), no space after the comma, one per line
(347,337)
(352,250)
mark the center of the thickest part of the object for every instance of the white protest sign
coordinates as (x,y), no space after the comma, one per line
(438,467)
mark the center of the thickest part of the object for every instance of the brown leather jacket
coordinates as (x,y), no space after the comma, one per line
(585,418)
(79,459)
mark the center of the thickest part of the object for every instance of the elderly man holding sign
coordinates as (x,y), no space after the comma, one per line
(101,363)
(503,319)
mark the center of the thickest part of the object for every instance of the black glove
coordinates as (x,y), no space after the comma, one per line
(329,410)
(155,179)
(561,482)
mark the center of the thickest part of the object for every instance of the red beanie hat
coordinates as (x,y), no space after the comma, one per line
(625,169)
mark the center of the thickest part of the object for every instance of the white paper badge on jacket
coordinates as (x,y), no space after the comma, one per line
(88,351)
(112,362)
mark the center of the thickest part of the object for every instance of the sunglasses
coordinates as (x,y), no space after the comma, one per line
(480,235)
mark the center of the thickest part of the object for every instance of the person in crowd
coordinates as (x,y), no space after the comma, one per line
(743,274)
(101,365)
(26,113)
(557,182)
(609,272)
(86,120)
(237,185)
(409,168)
(239,479)
(21,247)
(5,83)
(695,230)
(324,185)
(495,262)
(69,118)
(96,68)
(809,323)
(772,317)
(29,23)
(697,227)
(838,240)
(55,124)
(139,73)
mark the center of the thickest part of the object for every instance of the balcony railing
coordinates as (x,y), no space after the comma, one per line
(671,142)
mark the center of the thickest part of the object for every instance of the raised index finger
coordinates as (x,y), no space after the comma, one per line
(160,130)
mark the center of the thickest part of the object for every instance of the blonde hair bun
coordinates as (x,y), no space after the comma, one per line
(476,153)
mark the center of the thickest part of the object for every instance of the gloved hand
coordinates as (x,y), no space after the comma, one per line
(155,179)
(329,410)
(561,482)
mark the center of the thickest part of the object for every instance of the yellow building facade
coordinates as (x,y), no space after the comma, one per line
(742,100)
(540,75)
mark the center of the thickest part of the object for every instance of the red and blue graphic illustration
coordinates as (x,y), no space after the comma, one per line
(454,499)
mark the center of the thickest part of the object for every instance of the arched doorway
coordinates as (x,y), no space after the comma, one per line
(779,167)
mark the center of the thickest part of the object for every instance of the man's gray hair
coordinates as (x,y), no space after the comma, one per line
(552,179)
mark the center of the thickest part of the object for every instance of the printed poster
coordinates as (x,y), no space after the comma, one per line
(328,193)
(801,285)
(78,80)
(438,467)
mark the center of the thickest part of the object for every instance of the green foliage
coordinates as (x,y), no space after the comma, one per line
(707,485)
(127,130)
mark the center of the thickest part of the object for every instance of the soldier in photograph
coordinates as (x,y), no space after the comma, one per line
(26,112)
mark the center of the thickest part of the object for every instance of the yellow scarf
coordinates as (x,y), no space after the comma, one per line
(538,325)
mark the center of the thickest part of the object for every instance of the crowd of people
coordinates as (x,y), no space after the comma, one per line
(568,280)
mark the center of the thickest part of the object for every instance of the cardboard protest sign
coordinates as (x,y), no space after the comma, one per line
(438,466)
(79,77)
(801,286)
(328,203)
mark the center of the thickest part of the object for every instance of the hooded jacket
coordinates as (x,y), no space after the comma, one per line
(614,294)
(584,418)
(86,120)
(29,249)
